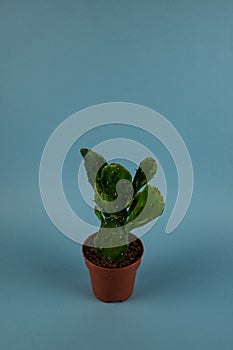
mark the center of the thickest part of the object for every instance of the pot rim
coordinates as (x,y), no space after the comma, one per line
(112,268)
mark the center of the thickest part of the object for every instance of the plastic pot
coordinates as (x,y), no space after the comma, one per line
(112,284)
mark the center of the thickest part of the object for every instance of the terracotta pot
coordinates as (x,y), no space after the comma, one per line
(112,284)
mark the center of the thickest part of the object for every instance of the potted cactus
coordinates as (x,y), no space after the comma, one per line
(122,203)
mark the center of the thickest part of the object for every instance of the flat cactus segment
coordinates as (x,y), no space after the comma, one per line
(114,190)
(146,171)
(111,174)
(146,206)
(93,163)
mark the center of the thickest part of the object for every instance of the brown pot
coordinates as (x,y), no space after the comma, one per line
(112,284)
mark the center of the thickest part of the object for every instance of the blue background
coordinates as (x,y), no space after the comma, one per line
(176,57)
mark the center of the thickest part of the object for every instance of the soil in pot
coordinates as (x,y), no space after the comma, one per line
(133,253)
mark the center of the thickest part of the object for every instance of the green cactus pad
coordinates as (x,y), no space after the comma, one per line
(114,190)
(146,171)
(93,163)
(146,206)
(111,174)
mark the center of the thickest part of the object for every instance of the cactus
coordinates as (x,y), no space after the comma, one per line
(120,206)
